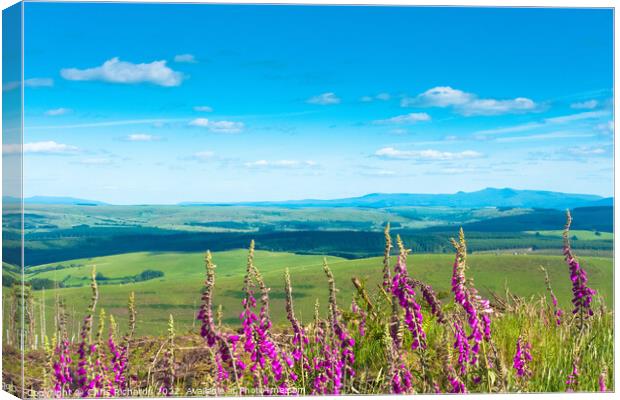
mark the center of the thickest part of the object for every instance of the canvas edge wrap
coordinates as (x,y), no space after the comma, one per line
(12,191)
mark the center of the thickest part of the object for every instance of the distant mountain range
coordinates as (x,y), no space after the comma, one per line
(54,200)
(490,197)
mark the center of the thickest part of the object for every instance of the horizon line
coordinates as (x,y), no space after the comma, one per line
(243,202)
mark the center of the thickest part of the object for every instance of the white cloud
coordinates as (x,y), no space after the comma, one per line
(588,105)
(587,151)
(380,96)
(141,137)
(440,96)
(468,104)
(200,156)
(543,136)
(606,127)
(496,107)
(575,153)
(564,119)
(117,71)
(399,131)
(109,123)
(281,164)
(378,172)
(32,83)
(464,168)
(201,122)
(576,117)
(405,119)
(324,99)
(509,129)
(203,109)
(429,155)
(185,58)
(57,111)
(47,147)
(8,86)
(218,126)
(38,82)
(95,161)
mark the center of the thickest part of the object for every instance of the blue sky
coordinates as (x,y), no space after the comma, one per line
(166,103)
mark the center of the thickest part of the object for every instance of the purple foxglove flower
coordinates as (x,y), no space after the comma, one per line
(404,292)
(522,358)
(582,294)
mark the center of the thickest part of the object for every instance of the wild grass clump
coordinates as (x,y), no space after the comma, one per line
(395,338)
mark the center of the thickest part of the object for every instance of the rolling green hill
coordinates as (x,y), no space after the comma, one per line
(178,291)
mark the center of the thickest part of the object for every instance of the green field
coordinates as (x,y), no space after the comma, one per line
(178,291)
(577,234)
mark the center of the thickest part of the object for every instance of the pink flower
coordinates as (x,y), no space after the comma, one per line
(522,358)
(573,378)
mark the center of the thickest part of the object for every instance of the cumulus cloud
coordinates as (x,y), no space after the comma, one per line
(57,111)
(468,104)
(588,105)
(425,155)
(141,137)
(46,147)
(117,71)
(203,109)
(440,96)
(185,58)
(218,126)
(324,99)
(281,164)
(405,119)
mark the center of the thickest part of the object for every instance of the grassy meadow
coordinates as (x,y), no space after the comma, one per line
(178,291)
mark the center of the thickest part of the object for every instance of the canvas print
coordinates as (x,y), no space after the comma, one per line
(248,200)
